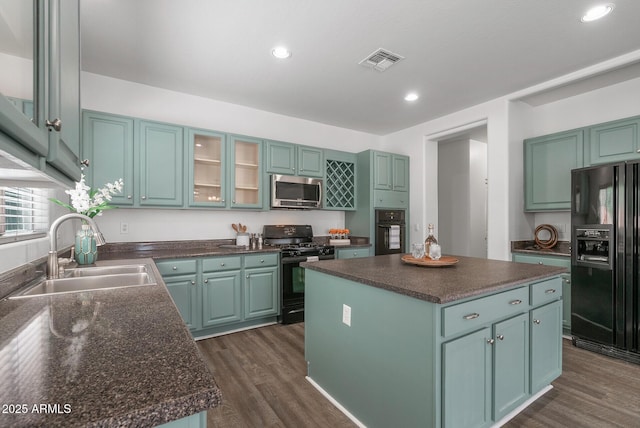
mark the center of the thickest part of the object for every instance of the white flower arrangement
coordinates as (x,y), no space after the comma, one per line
(88,201)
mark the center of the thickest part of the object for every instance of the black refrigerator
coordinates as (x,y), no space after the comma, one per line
(605,219)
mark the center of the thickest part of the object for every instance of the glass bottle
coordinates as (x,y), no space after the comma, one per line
(431,239)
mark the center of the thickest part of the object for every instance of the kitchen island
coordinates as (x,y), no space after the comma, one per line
(108,358)
(403,345)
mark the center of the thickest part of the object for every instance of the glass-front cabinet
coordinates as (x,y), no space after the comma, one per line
(207,172)
(246,172)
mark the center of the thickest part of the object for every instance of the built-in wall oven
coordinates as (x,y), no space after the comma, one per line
(390,232)
(296,246)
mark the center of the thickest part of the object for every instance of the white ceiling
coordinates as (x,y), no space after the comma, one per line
(458,52)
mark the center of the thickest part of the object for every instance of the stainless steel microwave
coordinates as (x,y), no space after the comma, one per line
(288,191)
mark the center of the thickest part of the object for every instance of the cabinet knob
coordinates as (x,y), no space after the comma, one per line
(491,341)
(144,198)
(355,253)
(261,260)
(567,281)
(536,321)
(56,124)
(540,263)
(175,268)
(222,200)
(233,201)
(501,336)
(206,281)
(193,283)
(247,276)
(129,196)
(222,264)
(638,151)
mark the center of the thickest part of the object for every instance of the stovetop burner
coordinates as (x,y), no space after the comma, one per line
(295,241)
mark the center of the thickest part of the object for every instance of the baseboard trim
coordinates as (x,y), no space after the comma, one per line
(335,403)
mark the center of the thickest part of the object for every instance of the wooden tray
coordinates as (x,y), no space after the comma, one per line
(426,261)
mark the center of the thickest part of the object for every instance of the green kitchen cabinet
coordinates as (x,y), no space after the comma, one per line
(161,157)
(546,345)
(353,253)
(109,147)
(219,294)
(562,261)
(207,165)
(615,141)
(293,159)
(391,171)
(245,172)
(183,290)
(548,162)
(221,298)
(64,89)
(340,181)
(44,131)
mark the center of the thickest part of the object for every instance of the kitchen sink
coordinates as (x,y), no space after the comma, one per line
(90,279)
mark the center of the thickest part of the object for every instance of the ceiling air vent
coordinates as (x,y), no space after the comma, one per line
(381,59)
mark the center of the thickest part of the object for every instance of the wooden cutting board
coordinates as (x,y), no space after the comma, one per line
(428,262)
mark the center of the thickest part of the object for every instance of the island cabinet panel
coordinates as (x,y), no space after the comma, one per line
(546,345)
(352,253)
(466,380)
(261,292)
(183,291)
(456,364)
(221,298)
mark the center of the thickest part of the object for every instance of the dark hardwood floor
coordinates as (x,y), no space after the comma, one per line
(261,375)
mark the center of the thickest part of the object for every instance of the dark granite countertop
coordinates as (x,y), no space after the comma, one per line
(561,249)
(105,358)
(469,277)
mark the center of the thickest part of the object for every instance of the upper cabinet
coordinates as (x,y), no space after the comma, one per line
(340,181)
(207,169)
(615,141)
(548,162)
(41,66)
(293,159)
(391,171)
(245,174)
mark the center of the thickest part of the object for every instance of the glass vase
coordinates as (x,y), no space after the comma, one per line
(86,250)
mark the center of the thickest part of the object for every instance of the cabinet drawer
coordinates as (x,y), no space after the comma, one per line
(215,264)
(260,260)
(542,260)
(476,313)
(390,199)
(176,267)
(546,291)
(352,253)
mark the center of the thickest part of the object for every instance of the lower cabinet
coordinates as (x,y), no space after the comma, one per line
(513,350)
(352,253)
(224,293)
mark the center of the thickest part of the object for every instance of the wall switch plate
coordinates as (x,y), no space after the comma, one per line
(124,228)
(346,315)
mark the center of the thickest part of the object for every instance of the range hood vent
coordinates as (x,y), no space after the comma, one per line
(381,59)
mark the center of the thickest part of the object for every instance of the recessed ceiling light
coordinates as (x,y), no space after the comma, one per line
(598,12)
(281,52)
(412,96)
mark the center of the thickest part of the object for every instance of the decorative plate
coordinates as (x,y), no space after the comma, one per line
(427,261)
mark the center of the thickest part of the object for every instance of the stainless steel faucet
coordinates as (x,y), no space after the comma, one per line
(52,260)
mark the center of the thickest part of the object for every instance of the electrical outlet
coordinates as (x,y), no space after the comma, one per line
(346,315)
(124,228)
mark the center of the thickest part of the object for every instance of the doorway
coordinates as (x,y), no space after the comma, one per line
(463,193)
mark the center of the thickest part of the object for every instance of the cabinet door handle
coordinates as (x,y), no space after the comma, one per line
(536,321)
(471,316)
(550,291)
(515,302)
(491,341)
(501,336)
(56,124)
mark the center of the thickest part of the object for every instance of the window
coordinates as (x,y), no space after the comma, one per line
(24,213)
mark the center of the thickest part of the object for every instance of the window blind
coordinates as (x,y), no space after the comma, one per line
(24,213)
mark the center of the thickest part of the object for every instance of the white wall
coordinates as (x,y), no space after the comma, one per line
(477,199)
(127,98)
